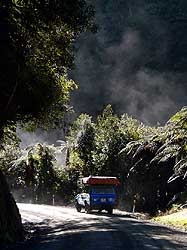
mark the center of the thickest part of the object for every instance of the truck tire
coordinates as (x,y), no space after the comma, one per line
(110,211)
(78,207)
(87,208)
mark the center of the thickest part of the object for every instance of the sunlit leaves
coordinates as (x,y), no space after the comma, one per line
(167,153)
(81,144)
(9,149)
(146,159)
(179,120)
(37,48)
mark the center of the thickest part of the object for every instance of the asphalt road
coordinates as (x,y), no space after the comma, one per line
(62,228)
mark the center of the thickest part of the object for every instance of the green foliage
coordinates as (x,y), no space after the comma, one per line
(36,48)
(97,145)
(78,127)
(108,141)
(132,128)
(149,161)
(81,139)
(179,120)
(9,149)
(161,158)
(35,175)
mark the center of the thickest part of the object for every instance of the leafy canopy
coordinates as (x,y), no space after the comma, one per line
(36,47)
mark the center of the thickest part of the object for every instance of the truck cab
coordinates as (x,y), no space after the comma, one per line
(101,194)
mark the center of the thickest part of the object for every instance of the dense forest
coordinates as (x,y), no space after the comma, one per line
(144,56)
(150,162)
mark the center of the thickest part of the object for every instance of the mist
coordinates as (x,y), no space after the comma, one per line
(136,61)
(39,136)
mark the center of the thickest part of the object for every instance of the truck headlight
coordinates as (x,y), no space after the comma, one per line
(111,199)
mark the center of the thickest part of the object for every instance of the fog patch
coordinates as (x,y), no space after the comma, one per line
(126,64)
(39,136)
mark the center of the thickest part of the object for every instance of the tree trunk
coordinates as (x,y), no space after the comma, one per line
(10,220)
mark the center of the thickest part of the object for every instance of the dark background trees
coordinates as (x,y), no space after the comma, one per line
(137,60)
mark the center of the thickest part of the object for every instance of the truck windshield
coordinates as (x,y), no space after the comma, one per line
(102,190)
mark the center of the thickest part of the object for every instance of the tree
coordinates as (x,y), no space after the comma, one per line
(82,141)
(36,47)
(149,161)
(157,169)
(175,145)
(9,148)
(108,141)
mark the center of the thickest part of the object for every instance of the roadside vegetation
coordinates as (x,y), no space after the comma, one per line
(150,162)
(37,50)
(174,217)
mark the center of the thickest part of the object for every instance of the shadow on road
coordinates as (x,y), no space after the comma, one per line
(104,231)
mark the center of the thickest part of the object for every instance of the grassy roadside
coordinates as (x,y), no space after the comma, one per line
(176,219)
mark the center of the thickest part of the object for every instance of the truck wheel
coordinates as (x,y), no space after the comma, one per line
(87,208)
(78,209)
(110,211)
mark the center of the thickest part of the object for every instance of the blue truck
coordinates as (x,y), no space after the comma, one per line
(101,194)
